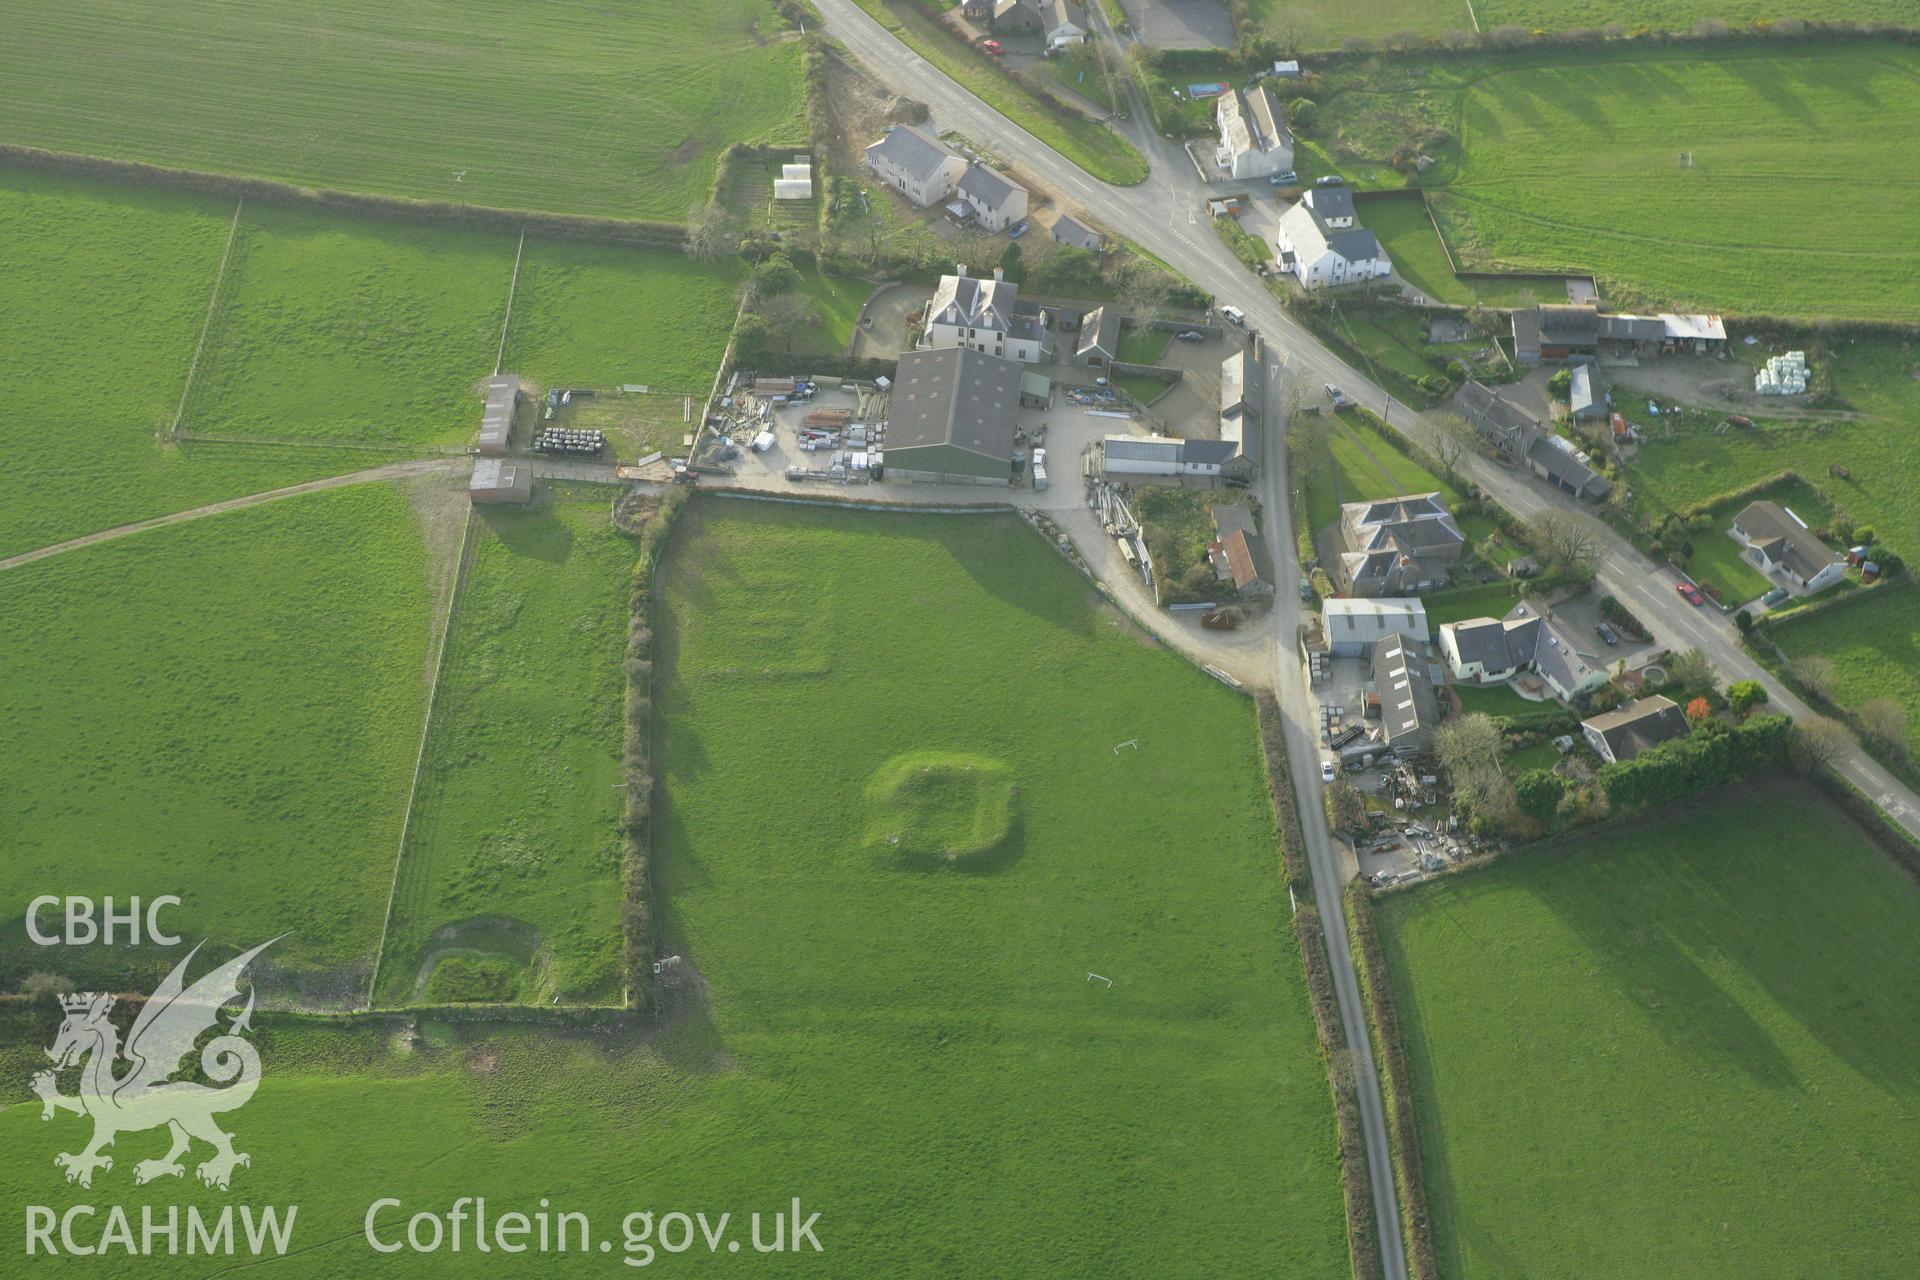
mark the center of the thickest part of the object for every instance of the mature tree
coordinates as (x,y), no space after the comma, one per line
(1144,292)
(1010,260)
(1568,541)
(1470,749)
(789,316)
(1884,723)
(1691,670)
(710,234)
(1539,792)
(1813,673)
(750,335)
(775,276)
(1346,811)
(1818,741)
(1744,695)
(1453,439)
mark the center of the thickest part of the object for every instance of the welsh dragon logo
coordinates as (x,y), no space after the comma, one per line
(145,1096)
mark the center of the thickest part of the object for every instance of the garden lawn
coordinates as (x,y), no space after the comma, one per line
(1719,560)
(1324,24)
(1142,346)
(604,316)
(1496,700)
(517,810)
(1482,600)
(1874,646)
(1418,257)
(1541,755)
(226,710)
(567,107)
(928,1021)
(1094,147)
(103,290)
(1573,166)
(352,330)
(1684,1047)
(839,299)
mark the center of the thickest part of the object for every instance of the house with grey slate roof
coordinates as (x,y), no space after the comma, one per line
(987,315)
(916,164)
(1786,550)
(1322,244)
(1633,727)
(995,200)
(1398,546)
(1529,638)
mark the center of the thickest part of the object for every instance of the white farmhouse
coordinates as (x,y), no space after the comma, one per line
(1254,139)
(916,164)
(995,201)
(1321,243)
(986,315)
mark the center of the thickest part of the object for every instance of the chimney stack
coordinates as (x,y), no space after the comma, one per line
(960,269)
(999,273)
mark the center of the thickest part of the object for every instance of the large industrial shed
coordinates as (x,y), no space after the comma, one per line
(496,421)
(953,417)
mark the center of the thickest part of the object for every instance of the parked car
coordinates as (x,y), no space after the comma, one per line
(1326,771)
(1191,335)
(1774,597)
(1689,593)
(1234,315)
(1306,589)
(993,47)
(1340,398)
(1285,178)
(1018,229)
(1607,634)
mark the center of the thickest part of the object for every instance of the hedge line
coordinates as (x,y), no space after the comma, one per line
(649,519)
(1310,934)
(1894,840)
(1703,759)
(798,364)
(564,226)
(1409,1175)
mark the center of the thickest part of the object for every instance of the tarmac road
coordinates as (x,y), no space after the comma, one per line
(1164,214)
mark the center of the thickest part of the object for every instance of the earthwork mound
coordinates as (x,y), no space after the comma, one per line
(935,808)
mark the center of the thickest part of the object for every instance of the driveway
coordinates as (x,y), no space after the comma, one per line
(882,331)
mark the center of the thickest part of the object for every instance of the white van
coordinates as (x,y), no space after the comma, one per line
(1236,315)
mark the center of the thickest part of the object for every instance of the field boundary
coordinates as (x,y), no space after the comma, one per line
(206,324)
(470,217)
(1383,1024)
(513,286)
(316,442)
(462,567)
(1310,933)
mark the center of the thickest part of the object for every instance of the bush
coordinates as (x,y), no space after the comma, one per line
(1304,115)
(1539,792)
(1745,695)
(1694,763)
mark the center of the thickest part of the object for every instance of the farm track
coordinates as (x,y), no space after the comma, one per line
(390,471)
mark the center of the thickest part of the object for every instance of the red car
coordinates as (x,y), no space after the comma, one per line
(993,47)
(1689,593)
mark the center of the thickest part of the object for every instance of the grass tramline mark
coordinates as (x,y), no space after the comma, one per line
(461,565)
(206,325)
(500,354)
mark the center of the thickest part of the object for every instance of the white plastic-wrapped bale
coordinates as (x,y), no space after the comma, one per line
(793,188)
(797,171)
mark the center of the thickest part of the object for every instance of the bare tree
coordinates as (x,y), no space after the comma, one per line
(1568,541)
(1691,669)
(789,316)
(1144,293)
(1470,749)
(1453,439)
(1346,811)
(1813,673)
(1884,722)
(1818,741)
(710,233)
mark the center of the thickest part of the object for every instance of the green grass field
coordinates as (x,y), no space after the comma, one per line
(1576,166)
(1418,257)
(1874,646)
(1365,466)
(226,710)
(1682,1048)
(571,107)
(839,300)
(352,330)
(1718,559)
(939,1007)
(516,815)
(605,315)
(102,293)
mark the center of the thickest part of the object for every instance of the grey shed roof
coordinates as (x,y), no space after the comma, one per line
(1240,384)
(1069,230)
(1230,517)
(1580,392)
(914,150)
(1408,707)
(496,420)
(987,186)
(1100,331)
(1497,418)
(1565,469)
(1635,726)
(1142,448)
(954,396)
(1209,452)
